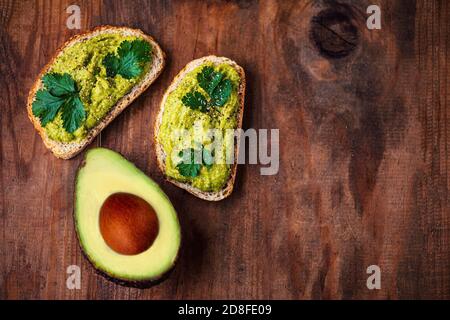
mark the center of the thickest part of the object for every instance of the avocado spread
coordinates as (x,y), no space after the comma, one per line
(177,116)
(98,93)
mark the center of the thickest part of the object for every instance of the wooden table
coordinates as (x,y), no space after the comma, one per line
(364,125)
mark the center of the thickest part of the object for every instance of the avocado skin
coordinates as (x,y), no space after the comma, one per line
(143,284)
(139,284)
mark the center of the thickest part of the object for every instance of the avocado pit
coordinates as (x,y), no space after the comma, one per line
(128,224)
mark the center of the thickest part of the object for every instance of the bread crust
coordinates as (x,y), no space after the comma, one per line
(160,154)
(67,150)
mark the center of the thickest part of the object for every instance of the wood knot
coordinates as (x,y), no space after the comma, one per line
(334,33)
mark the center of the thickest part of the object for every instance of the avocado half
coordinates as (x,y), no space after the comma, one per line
(103,175)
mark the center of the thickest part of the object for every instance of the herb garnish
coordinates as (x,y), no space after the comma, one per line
(192,161)
(215,85)
(60,93)
(130,59)
(196,101)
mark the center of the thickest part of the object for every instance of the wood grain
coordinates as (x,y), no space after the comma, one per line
(364,158)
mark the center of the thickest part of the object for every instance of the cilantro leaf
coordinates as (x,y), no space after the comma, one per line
(208,79)
(188,166)
(189,170)
(60,94)
(130,59)
(215,85)
(140,48)
(192,161)
(221,93)
(196,101)
(72,113)
(208,160)
(59,84)
(112,64)
(46,106)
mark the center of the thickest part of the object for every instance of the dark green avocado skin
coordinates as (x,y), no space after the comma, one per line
(144,284)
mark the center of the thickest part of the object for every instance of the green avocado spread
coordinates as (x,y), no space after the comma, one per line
(196,127)
(98,93)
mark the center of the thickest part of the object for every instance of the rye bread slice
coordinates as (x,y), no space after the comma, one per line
(68,150)
(160,154)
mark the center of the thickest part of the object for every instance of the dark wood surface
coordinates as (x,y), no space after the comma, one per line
(364,159)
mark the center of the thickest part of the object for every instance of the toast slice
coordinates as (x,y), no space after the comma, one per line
(160,154)
(67,150)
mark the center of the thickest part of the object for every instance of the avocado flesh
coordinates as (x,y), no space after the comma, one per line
(106,172)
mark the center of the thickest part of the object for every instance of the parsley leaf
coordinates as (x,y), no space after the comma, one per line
(208,159)
(60,93)
(72,113)
(187,167)
(130,59)
(46,106)
(59,84)
(192,161)
(215,85)
(196,101)
(221,93)
(208,79)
